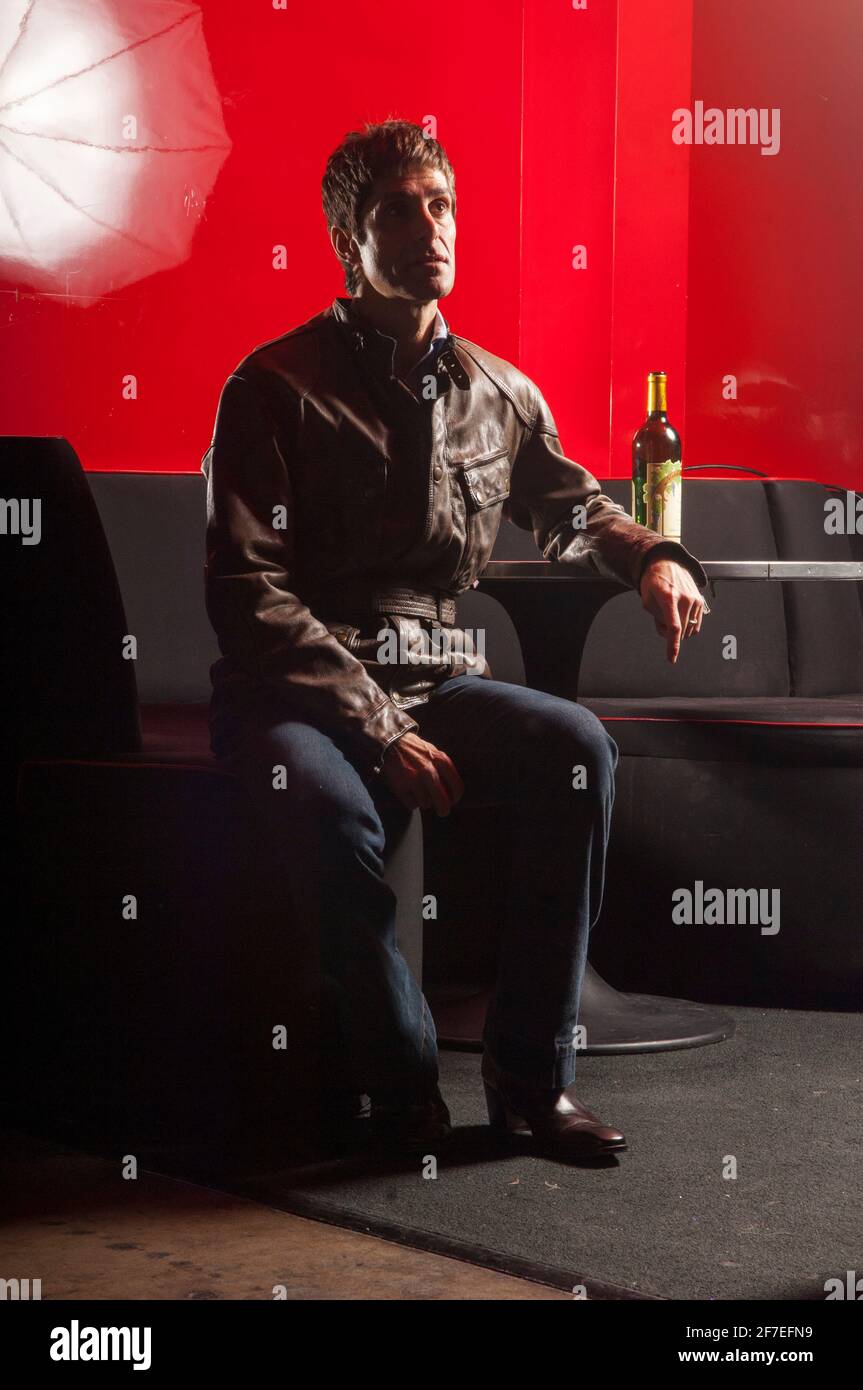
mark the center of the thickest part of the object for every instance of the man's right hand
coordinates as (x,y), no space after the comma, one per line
(419,774)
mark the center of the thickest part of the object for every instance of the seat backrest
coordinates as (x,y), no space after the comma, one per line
(825,619)
(625,657)
(67,688)
(156,528)
(156,524)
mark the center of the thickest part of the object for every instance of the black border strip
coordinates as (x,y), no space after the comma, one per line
(435,1243)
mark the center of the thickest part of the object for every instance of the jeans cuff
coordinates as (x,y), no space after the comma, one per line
(536,1064)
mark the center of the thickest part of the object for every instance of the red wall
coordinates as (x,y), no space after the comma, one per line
(700,261)
(568,181)
(651,217)
(775,254)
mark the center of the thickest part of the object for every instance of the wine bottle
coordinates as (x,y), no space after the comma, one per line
(657,490)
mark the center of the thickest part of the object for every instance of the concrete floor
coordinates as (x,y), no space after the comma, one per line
(73,1221)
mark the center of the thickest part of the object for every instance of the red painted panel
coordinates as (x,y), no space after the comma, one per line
(568,169)
(650,217)
(775,266)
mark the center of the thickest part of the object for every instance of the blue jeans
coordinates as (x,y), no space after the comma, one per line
(511,745)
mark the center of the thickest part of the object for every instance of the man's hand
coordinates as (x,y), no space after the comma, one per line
(420,774)
(670,593)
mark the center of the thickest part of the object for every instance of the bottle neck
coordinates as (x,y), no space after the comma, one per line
(656,398)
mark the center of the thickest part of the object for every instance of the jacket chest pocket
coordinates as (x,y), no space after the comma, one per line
(485,480)
(485,483)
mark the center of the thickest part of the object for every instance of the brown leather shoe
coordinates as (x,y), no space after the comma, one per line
(560,1124)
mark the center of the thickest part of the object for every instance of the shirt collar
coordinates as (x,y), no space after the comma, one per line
(441,330)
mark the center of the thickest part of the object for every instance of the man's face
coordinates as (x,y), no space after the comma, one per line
(409,227)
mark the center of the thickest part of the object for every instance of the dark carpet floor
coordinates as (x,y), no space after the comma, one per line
(782,1099)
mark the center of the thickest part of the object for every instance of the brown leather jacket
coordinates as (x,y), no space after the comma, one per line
(339,503)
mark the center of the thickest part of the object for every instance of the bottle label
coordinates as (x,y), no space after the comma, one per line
(663,498)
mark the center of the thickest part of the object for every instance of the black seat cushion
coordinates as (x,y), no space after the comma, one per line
(174,733)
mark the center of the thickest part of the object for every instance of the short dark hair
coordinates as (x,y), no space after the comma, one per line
(383,149)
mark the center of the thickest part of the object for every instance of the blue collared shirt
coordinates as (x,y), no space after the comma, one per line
(426,363)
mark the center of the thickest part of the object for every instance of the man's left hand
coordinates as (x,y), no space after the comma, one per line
(669,592)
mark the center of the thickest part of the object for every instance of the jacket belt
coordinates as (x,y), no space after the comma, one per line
(364,598)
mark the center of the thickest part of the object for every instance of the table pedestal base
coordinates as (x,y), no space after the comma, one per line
(613,1022)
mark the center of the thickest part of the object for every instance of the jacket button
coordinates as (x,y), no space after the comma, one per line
(438,473)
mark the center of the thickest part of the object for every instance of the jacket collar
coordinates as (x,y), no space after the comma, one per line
(380,346)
